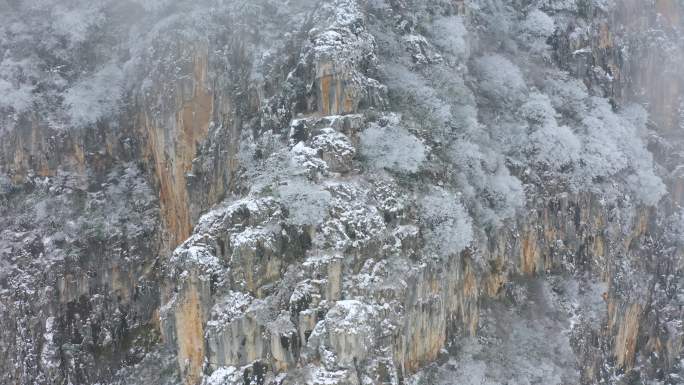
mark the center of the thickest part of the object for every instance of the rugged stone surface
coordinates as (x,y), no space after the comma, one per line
(356,192)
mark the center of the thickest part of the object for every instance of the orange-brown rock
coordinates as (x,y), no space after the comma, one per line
(171,148)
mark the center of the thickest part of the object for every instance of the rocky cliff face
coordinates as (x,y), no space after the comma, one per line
(342,192)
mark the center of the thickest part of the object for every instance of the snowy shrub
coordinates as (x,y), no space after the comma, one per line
(485,182)
(550,143)
(613,146)
(555,145)
(413,92)
(538,24)
(646,186)
(450,34)
(465,120)
(95,97)
(535,30)
(500,79)
(567,95)
(264,159)
(306,202)
(448,225)
(497,17)
(393,148)
(601,154)
(610,145)
(538,109)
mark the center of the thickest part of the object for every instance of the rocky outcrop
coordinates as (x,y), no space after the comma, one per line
(340,54)
(348,313)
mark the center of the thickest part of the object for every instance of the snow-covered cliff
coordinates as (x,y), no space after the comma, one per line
(341,192)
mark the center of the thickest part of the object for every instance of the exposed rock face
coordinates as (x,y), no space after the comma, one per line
(358,192)
(173,147)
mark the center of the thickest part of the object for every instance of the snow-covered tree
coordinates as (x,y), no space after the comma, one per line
(500,79)
(448,225)
(392,147)
(307,203)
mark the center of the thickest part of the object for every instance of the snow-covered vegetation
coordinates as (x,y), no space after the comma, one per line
(75,61)
(306,202)
(392,147)
(449,227)
(501,117)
